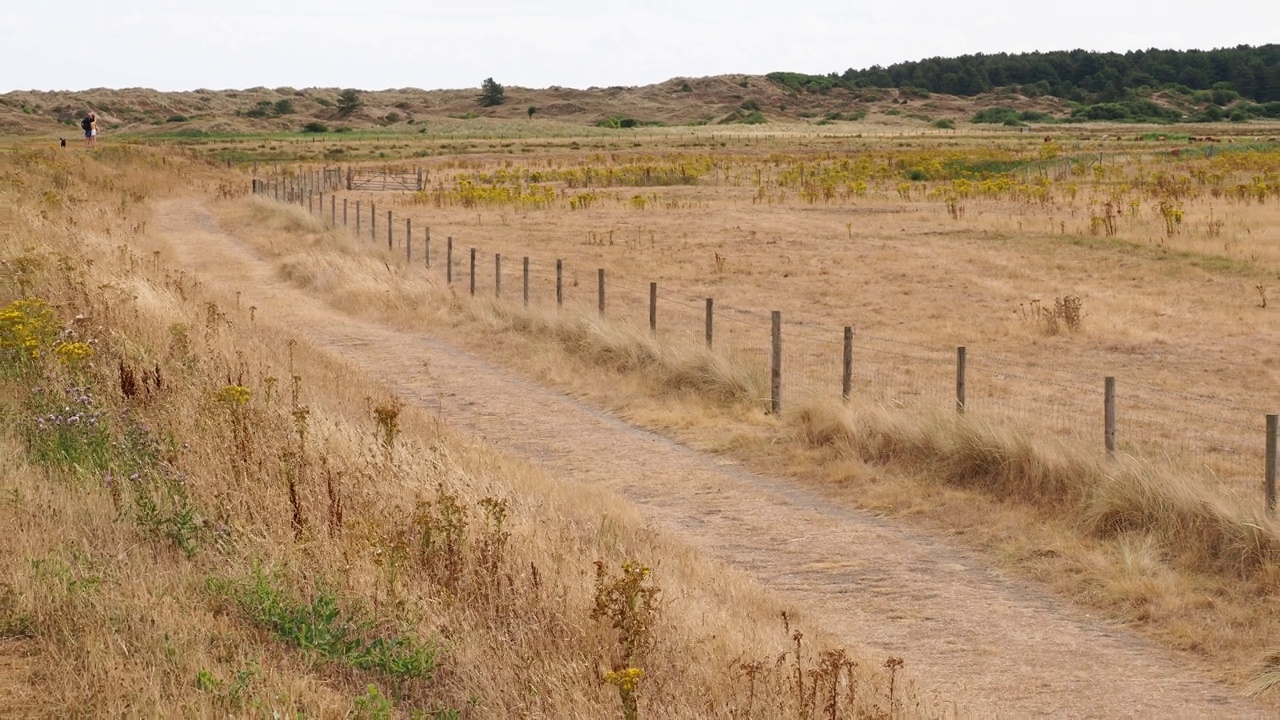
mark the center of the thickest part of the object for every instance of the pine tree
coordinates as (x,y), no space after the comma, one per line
(491,93)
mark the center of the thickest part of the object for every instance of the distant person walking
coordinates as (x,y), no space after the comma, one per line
(90,126)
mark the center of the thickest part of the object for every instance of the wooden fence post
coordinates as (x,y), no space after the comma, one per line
(408,239)
(525,272)
(322,204)
(344,212)
(448,260)
(497,275)
(333,209)
(389,246)
(600,289)
(357,217)
(559,283)
(1273,449)
(311,203)
(1109,414)
(426,246)
(775,363)
(961,362)
(846,374)
(653,307)
(473,271)
(373,222)
(709,321)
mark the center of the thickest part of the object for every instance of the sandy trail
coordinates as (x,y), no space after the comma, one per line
(992,644)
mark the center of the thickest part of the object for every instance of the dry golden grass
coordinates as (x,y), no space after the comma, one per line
(1170,539)
(183,553)
(1176,317)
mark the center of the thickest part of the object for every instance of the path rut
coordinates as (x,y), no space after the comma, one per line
(993,644)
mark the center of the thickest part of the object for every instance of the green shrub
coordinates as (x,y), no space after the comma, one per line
(316,127)
(800,82)
(995,115)
(1130,111)
(177,119)
(263,109)
(349,101)
(750,105)
(1035,116)
(615,122)
(284,107)
(492,93)
(944,124)
(1224,94)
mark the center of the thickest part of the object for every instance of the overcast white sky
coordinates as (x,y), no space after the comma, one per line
(377,44)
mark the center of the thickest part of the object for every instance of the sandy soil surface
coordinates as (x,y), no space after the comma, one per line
(992,644)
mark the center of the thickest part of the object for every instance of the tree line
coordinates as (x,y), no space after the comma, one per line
(1251,73)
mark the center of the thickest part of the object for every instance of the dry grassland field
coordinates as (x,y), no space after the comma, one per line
(1006,246)
(352,459)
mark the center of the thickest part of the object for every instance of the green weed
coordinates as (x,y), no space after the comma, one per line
(321,628)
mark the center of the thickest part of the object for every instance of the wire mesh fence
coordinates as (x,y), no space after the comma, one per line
(1221,440)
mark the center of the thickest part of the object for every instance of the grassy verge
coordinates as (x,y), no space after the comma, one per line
(1144,543)
(208,517)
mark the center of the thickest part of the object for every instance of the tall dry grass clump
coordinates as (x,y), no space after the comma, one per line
(204,515)
(624,349)
(352,276)
(1104,499)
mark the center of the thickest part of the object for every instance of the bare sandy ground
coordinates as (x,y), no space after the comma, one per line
(992,644)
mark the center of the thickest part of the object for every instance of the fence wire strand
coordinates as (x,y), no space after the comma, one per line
(1216,435)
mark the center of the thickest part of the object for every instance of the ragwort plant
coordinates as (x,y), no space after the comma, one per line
(629,603)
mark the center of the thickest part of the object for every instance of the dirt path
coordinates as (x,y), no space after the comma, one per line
(990,643)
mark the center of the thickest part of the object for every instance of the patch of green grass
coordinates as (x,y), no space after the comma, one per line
(374,705)
(64,427)
(1170,259)
(323,629)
